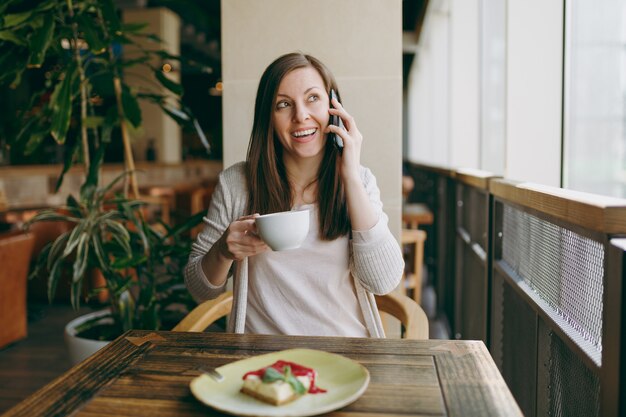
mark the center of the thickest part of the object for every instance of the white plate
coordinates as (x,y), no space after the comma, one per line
(344,379)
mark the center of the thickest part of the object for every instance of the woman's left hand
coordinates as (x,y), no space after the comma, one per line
(352,140)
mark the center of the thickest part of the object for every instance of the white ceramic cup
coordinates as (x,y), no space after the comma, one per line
(284,230)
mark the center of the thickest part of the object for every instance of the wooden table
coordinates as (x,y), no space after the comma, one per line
(147,373)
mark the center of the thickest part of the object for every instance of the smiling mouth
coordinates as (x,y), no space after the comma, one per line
(302,134)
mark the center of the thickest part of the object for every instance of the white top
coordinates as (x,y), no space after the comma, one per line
(304,291)
(375,260)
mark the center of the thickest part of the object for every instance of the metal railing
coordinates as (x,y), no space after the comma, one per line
(473,264)
(536,273)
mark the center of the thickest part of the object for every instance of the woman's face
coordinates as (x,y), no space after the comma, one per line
(300,114)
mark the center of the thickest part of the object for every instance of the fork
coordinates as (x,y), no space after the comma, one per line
(212,372)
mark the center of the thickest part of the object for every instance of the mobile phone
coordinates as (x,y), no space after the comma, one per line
(335,120)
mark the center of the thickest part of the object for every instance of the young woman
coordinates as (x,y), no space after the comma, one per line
(325,287)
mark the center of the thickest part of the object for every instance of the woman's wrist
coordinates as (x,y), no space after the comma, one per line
(351,178)
(222,250)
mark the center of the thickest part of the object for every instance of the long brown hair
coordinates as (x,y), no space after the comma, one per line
(268,187)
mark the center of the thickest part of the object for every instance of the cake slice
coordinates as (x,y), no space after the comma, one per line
(280,383)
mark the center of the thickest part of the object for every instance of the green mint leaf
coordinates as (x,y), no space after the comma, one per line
(271,375)
(295,383)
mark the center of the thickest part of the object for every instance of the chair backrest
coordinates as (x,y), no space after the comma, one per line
(206,313)
(410,314)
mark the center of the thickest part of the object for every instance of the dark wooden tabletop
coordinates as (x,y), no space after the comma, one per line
(145,373)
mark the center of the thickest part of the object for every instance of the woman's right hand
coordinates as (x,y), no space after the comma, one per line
(241,240)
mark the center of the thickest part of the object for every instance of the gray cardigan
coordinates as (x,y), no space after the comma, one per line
(376,262)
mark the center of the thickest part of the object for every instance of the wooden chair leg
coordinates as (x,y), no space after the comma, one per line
(416,239)
(418,267)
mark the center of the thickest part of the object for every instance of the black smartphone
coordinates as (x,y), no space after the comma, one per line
(335,120)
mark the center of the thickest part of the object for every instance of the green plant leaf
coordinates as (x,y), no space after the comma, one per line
(74,239)
(173,86)
(122,39)
(82,255)
(117,229)
(10,36)
(163,54)
(123,263)
(75,293)
(53,278)
(186,226)
(92,322)
(179,116)
(104,190)
(94,122)
(71,151)
(149,36)
(56,251)
(95,38)
(135,61)
(110,122)
(17,78)
(51,215)
(24,133)
(132,112)
(34,141)
(61,104)
(126,307)
(111,18)
(103,262)
(14,19)
(46,5)
(120,235)
(4,5)
(40,41)
(201,135)
(184,116)
(133,27)
(88,191)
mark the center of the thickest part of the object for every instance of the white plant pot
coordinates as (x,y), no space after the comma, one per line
(80,348)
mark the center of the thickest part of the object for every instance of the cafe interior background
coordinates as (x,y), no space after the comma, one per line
(452,93)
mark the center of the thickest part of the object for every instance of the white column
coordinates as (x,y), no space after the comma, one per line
(156,125)
(359,40)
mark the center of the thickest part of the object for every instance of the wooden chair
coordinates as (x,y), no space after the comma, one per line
(15,253)
(413,280)
(414,214)
(409,313)
(206,313)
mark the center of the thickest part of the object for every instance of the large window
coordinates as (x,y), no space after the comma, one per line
(493,86)
(594,157)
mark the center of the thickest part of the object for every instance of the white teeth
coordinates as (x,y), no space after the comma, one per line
(304,132)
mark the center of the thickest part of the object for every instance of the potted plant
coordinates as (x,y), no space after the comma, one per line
(85,105)
(141,265)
